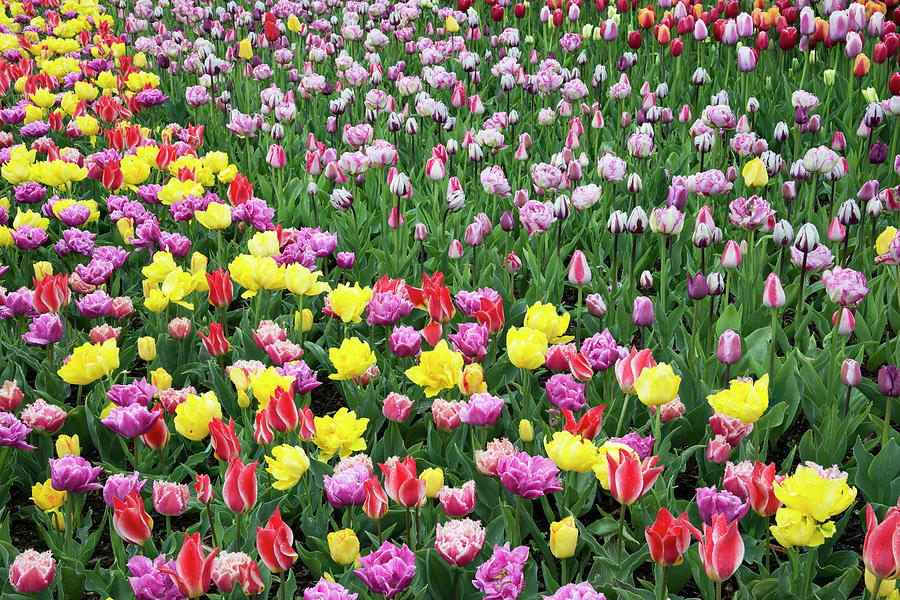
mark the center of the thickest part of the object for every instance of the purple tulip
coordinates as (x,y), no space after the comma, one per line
(13,432)
(30,193)
(305,379)
(482,410)
(697,289)
(528,476)
(576,591)
(136,392)
(27,237)
(44,329)
(389,570)
(130,421)
(328,590)
(94,305)
(602,351)
(643,446)
(120,485)
(501,577)
(74,474)
(564,392)
(386,308)
(642,314)
(729,349)
(472,341)
(405,341)
(345,260)
(889,381)
(711,502)
(346,487)
(148,582)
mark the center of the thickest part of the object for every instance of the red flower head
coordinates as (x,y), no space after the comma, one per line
(434,297)
(221,290)
(131,521)
(239,488)
(225,442)
(491,314)
(158,436)
(881,549)
(281,411)
(588,426)
(275,544)
(376,503)
(721,548)
(401,483)
(204,489)
(52,293)
(215,343)
(193,569)
(240,190)
(668,538)
(629,477)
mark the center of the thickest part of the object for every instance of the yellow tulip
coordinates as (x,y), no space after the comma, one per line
(264,243)
(68,444)
(161,379)
(438,369)
(216,216)
(563,537)
(450,24)
(810,492)
(544,318)
(193,416)
(245,50)
(45,497)
(526,347)
(146,348)
(526,430)
(657,385)
(301,281)
(348,303)
(471,380)
(883,243)
(351,359)
(755,174)
(434,481)
(90,362)
(796,528)
(571,452)
(341,433)
(42,268)
(344,546)
(744,400)
(287,465)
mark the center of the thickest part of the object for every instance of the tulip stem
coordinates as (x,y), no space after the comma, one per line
(621,531)
(887,422)
(517,538)
(622,416)
(212,525)
(875,588)
(168,526)
(718,590)
(768,547)
(563,574)
(281,588)
(578,318)
(408,534)
(772,350)
(662,274)
(662,585)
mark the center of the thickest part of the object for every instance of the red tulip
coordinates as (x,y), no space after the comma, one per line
(131,521)
(221,290)
(204,489)
(579,270)
(113,178)
(434,297)
(669,538)
(240,190)
(115,139)
(225,443)
(251,582)
(721,548)
(761,489)
(880,53)
(628,368)
(167,153)
(376,503)
(193,570)
(894,84)
(52,293)
(676,47)
(215,343)
(239,488)
(307,424)
(787,38)
(519,10)
(881,549)
(580,366)
(262,431)
(588,426)
(158,436)
(402,485)
(275,544)
(282,412)
(634,40)
(629,478)
(491,314)
(497,13)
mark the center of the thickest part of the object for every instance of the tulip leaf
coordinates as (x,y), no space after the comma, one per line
(729,319)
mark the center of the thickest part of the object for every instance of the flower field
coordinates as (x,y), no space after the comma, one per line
(345,300)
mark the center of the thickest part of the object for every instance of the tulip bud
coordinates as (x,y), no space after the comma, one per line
(716,284)
(874,207)
(474,235)
(563,538)
(616,222)
(696,286)
(847,321)
(421,232)
(343,546)
(851,374)
(456,250)
(783,233)
(434,481)
(146,348)
(773,293)
(579,270)
(526,431)
(889,381)
(807,238)
(731,256)
(642,313)
(646,280)
(836,232)
(718,449)
(507,221)
(595,305)
(513,263)
(729,350)
(638,222)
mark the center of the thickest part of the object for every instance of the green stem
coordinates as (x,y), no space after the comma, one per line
(662,585)
(578,318)
(875,589)
(621,532)
(772,350)
(662,275)
(622,415)
(516,535)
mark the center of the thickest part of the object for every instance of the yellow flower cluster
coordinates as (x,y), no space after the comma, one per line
(745,400)
(811,498)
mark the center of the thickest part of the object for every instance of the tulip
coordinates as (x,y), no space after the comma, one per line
(31,571)
(239,487)
(275,542)
(376,503)
(343,546)
(721,550)
(215,343)
(889,386)
(881,548)
(193,569)
(563,538)
(225,442)
(130,521)
(669,538)
(459,541)
(642,314)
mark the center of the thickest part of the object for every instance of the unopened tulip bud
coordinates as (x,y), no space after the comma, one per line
(716,284)
(847,321)
(635,184)
(456,250)
(513,263)
(638,222)
(783,233)
(642,314)
(474,234)
(731,256)
(836,232)
(789,190)
(729,349)
(851,374)
(507,221)
(579,270)
(703,236)
(889,381)
(616,222)
(874,207)
(526,430)
(646,280)
(773,293)
(421,232)
(807,238)
(696,286)
(595,305)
